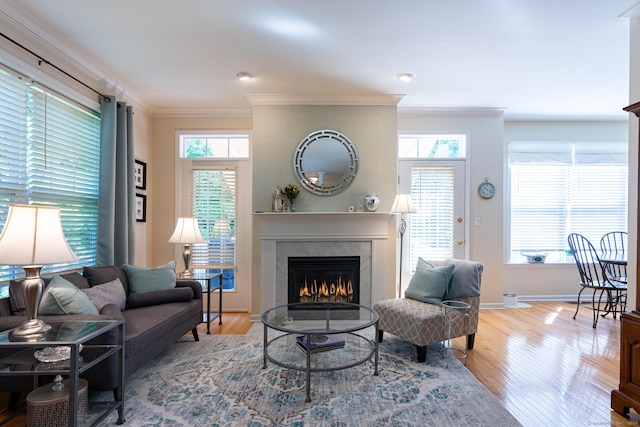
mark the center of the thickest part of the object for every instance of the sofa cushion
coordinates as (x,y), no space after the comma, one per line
(142,279)
(63,297)
(429,284)
(107,293)
(99,275)
(137,300)
(465,280)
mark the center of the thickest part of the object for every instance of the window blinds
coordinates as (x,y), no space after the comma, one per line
(562,188)
(214,205)
(49,155)
(432,191)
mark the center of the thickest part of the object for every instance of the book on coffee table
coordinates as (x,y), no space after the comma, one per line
(320,342)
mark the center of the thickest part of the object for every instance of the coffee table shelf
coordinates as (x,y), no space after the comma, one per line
(312,319)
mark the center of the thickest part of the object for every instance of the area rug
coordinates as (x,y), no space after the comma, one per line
(220,381)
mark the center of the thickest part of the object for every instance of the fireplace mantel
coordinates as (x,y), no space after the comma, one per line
(322,228)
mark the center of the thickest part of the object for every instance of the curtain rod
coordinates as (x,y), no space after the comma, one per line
(42,60)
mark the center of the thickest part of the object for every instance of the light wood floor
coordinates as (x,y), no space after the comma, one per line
(546,368)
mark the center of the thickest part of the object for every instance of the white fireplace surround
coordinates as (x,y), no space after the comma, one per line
(322,234)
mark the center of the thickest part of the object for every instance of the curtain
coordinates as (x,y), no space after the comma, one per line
(116,204)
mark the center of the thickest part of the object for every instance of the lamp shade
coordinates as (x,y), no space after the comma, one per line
(186,231)
(403,204)
(33,235)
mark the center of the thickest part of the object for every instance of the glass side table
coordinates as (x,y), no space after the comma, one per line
(454,312)
(203,275)
(75,334)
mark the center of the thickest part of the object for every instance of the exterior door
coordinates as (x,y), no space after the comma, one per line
(437,230)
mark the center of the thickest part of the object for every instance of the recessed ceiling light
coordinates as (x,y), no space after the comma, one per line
(243,76)
(405,77)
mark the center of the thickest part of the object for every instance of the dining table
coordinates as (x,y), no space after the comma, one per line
(614,261)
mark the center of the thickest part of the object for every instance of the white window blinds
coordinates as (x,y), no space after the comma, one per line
(49,155)
(214,205)
(432,191)
(559,188)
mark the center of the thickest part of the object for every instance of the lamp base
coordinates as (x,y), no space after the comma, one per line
(186,273)
(30,330)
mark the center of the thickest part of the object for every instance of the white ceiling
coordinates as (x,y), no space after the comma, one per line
(535,58)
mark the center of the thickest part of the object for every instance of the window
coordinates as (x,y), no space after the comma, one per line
(214,205)
(214,146)
(561,188)
(49,155)
(214,198)
(432,146)
(432,226)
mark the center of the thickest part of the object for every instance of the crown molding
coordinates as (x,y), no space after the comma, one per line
(294,99)
(201,112)
(463,111)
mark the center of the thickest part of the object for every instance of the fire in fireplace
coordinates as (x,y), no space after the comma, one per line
(324,279)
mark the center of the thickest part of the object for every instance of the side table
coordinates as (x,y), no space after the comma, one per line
(74,334)
(203,275)
(454,310)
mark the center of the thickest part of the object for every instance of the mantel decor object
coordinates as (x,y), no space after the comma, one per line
(291,191)
(277,200)
(371,202)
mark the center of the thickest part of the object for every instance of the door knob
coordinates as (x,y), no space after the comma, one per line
(459,242)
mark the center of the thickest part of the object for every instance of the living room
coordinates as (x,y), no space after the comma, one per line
(277,122)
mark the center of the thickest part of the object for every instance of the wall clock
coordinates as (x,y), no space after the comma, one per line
(486,190)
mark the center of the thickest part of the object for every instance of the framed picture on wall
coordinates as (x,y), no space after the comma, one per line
(140,174)
(141,208)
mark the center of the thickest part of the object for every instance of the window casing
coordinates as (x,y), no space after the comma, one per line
(49,155)
(561,188)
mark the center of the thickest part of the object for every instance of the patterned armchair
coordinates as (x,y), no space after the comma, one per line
(421,323)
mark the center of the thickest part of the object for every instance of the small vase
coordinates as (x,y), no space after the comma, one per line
(292,206)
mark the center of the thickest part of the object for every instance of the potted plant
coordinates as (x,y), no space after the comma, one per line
(291,191)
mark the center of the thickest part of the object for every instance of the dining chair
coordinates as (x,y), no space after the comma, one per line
(592,276)
(615,243)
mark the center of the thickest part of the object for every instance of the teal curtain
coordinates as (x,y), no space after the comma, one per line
(116,204)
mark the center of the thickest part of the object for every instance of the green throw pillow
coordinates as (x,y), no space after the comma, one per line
(62,297)
(152,279)
(429,284)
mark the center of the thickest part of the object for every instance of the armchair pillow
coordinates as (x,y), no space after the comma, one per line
(429,283)
(62,297)
(465,279)
(152,279)
(108,293)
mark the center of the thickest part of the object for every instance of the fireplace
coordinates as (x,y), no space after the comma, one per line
(324,279)
(328,234)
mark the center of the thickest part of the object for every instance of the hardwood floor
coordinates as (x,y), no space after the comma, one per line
(546,368)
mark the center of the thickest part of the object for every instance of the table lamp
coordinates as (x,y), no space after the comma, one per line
(186,232)
(402,205)
(32,236)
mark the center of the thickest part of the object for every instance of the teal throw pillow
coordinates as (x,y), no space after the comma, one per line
(142,279)
(62,297)
(429,284)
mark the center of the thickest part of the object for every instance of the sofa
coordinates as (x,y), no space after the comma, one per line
(154,319)
(419,317)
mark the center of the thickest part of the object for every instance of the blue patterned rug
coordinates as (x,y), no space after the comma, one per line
(220,381)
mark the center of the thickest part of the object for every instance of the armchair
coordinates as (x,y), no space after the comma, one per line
(422,323)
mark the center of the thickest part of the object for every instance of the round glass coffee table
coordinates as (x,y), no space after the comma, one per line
(319,337)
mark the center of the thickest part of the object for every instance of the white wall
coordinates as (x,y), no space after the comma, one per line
(485,159)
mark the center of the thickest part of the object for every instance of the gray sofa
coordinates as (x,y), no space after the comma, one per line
(153,321)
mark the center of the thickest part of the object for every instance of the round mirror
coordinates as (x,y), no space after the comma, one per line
(325,162)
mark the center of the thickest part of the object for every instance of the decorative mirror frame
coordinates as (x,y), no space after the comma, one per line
(306,181)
